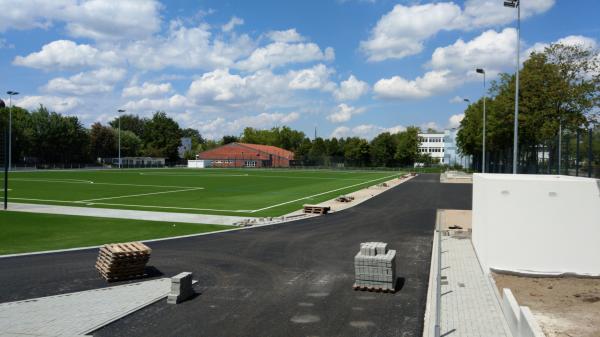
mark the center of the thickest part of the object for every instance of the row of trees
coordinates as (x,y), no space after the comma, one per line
(559,94)
(46,137)
(385,150)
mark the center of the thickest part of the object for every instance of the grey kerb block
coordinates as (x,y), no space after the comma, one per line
(375,266)
(181,288)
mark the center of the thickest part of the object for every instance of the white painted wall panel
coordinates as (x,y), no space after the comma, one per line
(537,223)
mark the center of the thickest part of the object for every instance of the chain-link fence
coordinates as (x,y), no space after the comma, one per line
(571,152)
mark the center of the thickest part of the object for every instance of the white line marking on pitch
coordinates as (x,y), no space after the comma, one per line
(192,175)
(240,175)
(141,194)
(75,181)
(318,194)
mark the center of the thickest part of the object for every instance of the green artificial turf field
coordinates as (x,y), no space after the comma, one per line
(30,232)
(246,192)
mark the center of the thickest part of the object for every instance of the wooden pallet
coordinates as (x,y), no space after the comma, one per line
(373,289)
(121,261)
(316,209)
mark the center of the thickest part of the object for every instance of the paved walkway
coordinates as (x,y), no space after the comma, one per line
(469,305)
(127,214)
(78,313)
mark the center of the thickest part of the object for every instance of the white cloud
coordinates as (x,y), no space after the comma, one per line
(174,103)
(368,131)
(344,113)
(457,100)
(571,40)
(85,83)
(63,54)
(219,127)
(429,84)
(351,89)
(454,120)
(53,103)
(96,19)
(316,77)
(430,125)
(277,54)
(5,44)
(491,50)
(229,26)
(218,85)
(148,89)
(403,31)
(285,36)
(188,48)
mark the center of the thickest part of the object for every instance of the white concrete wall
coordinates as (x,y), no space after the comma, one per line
(536,223)
(196,163)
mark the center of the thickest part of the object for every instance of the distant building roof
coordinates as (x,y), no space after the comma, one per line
(270,149)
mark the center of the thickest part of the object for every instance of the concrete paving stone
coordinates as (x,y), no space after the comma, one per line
(78,313)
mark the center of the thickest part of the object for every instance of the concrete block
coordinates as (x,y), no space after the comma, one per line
(511,311)
(528,326)
(181,288)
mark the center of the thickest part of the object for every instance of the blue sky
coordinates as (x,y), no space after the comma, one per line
(353,67)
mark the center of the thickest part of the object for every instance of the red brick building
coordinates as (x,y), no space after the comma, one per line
(247,155)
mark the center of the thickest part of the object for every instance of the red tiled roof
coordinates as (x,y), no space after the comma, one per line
(270,149)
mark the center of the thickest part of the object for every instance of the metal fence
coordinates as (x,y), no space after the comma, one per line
(572,152)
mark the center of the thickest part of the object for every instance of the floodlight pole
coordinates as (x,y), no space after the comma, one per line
(517,4)
(10,95)
(481,71)
(120,111)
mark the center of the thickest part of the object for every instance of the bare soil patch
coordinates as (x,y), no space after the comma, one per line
(563,306)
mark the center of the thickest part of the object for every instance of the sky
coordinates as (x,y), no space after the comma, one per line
(344,67)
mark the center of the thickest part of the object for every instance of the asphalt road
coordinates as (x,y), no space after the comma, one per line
(292,279)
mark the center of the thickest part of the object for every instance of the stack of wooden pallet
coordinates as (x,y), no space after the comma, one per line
(316,209)
(121,261)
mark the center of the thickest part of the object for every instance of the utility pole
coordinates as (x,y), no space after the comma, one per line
(10,95)
(516,4)
(120,111)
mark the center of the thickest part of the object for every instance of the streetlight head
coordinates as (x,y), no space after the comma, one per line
(480,71)
(467,100)
(511,3)
(12,93)
(120,110)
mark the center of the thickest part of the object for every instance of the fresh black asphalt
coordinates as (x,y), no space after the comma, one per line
(292,279)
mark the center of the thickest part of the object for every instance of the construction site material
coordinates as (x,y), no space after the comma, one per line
(121,261)
(375,267)
(344,198)
(181,288)
(316,209)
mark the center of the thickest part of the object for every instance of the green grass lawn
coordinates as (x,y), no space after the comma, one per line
(29,232)
(246,192)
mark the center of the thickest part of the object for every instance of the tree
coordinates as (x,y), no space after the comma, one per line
(131,144)
(194,135)
(383,148)
(103,141)
(229,139)
(357,151)
(407,148)
(132,123)
(162,137)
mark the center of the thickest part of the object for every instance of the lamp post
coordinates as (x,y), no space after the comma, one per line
(5,150)
(120,111)
(516,4)
(481,71)
(467,100)
(10,95)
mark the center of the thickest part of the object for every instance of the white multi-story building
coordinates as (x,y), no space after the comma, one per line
(432,144)
(442,148)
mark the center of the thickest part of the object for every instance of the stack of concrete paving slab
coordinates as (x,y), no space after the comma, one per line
(375,267)
(120,261)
